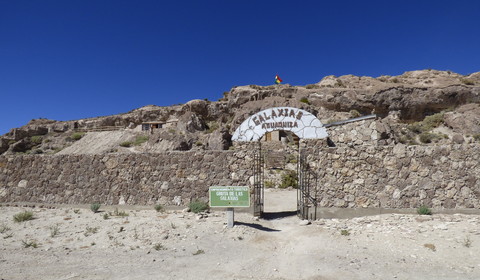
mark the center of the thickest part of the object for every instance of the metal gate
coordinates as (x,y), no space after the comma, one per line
(258,175)
(307,189)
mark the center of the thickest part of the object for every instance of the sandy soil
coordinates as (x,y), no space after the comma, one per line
(75,243)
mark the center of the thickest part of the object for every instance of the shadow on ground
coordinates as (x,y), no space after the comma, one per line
(278,215)
(256,226)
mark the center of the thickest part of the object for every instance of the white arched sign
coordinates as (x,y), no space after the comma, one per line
(304,124)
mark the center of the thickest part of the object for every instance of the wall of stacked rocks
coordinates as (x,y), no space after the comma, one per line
(170,178)
(365,132)
(398,176)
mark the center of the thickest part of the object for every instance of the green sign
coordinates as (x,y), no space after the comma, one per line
(229,196)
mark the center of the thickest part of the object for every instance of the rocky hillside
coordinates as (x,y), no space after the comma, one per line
(418,107)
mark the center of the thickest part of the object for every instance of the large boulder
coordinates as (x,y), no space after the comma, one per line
(464,120)
(220,139)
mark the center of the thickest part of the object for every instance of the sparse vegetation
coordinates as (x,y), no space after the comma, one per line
(198,206)
(126,144)
(289,179)
(77,136)
(476,137)
(23,216)
(269,184)
(54,230)
(95,207)
(90,230)
(159,208)
(159,247)
(467,82)
(428,137)
(119,213)
(345,232)
(467,242)
(305,100)
(139,140)
(428,123)
(198,252)
(106,216)
(36,139)
(212,126)
(354,113)
(4,228)
(28,244)
(424,210)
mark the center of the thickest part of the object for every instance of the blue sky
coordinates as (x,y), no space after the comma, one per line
(67,60)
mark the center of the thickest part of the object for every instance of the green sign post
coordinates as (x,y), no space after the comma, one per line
(229,196)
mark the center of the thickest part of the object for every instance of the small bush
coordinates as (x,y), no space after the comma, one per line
(23,216)
(54,230)
(430,122)
(159,208)
(126,144)
(427,137)
(90,230)
(95,207)
(77,136)
(289,179)
(4,228)
(140,140)
(269,184)
(345,232)
(467,242)
(476,137)
(424,210)
(467,82)
(27,244)
(37,139)
(106,216)
(119,213)
(354,113)
(198,206)
(212,126)
(305,100)
(159,247)
(199,252)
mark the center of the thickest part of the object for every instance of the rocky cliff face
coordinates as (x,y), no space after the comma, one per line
(416,107)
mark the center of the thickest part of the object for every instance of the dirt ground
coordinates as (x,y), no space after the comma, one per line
(75,243)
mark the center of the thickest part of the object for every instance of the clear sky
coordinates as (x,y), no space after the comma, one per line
(73,59)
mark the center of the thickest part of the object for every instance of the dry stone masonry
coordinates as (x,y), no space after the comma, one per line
(398,176)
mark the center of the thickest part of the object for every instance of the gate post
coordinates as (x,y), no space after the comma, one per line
(258,195)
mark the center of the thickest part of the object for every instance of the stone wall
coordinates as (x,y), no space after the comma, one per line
(349,176)
(398,176)
(365,132)
(167,178)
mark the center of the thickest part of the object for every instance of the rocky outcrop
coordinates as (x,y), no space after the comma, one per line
(411,97)
(465,119)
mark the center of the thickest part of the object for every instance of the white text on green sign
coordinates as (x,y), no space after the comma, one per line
(229,196)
